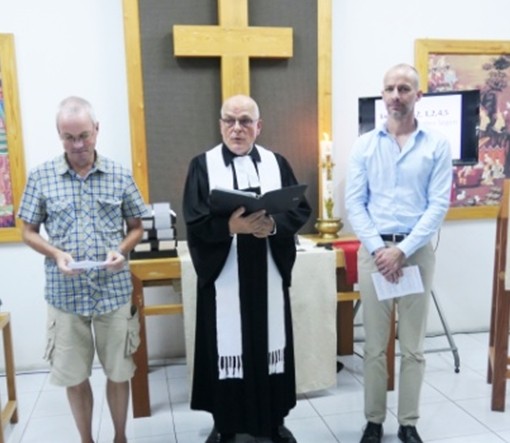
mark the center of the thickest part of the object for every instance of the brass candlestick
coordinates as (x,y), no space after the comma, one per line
(329,227)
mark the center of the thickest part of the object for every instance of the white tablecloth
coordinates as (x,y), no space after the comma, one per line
(313,301)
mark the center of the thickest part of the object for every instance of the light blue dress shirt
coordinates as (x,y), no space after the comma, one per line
(398,191)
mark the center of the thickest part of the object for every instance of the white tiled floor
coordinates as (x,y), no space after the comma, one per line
(455,407)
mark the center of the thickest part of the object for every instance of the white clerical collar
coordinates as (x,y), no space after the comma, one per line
(246,173)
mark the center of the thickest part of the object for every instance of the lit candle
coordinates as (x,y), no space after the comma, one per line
(326,146)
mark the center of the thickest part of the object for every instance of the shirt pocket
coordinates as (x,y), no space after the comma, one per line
(133,332)
(110,214)
(60,217)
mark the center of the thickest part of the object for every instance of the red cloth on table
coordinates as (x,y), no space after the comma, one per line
(350,248)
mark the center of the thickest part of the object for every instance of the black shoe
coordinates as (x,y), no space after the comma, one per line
(409,434)
(282,435)
(218,437)
(373,433)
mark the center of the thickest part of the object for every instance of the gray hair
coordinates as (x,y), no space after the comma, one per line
(74,106)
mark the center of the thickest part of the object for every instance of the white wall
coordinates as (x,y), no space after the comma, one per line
(68,47)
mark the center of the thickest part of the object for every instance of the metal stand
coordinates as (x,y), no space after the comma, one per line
(449,336)
(453,347)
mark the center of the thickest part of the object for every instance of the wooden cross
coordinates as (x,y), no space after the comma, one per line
(235,42)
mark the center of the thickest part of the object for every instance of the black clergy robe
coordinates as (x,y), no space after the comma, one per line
(258,402)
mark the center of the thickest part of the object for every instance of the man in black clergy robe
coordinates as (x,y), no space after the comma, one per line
(244,372)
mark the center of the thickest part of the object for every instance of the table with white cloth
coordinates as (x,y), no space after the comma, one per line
(313,303)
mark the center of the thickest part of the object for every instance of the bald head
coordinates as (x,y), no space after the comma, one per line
(241,102)
(404,70)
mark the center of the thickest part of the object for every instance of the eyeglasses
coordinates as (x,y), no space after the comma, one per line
(83,137)
(245,122)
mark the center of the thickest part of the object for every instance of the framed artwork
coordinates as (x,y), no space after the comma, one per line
(446,65)
(12,164)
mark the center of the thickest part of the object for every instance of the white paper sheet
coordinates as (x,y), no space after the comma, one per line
(86,264)
(409,283)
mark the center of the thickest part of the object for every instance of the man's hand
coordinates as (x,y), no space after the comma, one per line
(63,259)
(114,261)
(389,262)
(33,238)
(259,223)
(268,226)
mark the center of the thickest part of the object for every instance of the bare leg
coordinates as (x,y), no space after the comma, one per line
(81,402)
(117,395)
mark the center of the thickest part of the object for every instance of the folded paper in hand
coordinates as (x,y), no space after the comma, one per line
(409,283)
(86,264)
(225,201)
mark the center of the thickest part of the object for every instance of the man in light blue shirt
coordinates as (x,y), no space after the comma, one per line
(397,194)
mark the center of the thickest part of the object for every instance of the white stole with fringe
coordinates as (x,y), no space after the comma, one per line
(228,312)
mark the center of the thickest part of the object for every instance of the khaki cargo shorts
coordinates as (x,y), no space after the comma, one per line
(73,339)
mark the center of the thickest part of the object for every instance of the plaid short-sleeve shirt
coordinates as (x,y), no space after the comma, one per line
(84,217)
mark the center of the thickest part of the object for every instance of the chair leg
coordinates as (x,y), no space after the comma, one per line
(9,412)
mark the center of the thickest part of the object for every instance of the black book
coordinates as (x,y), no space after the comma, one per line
(225,201)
